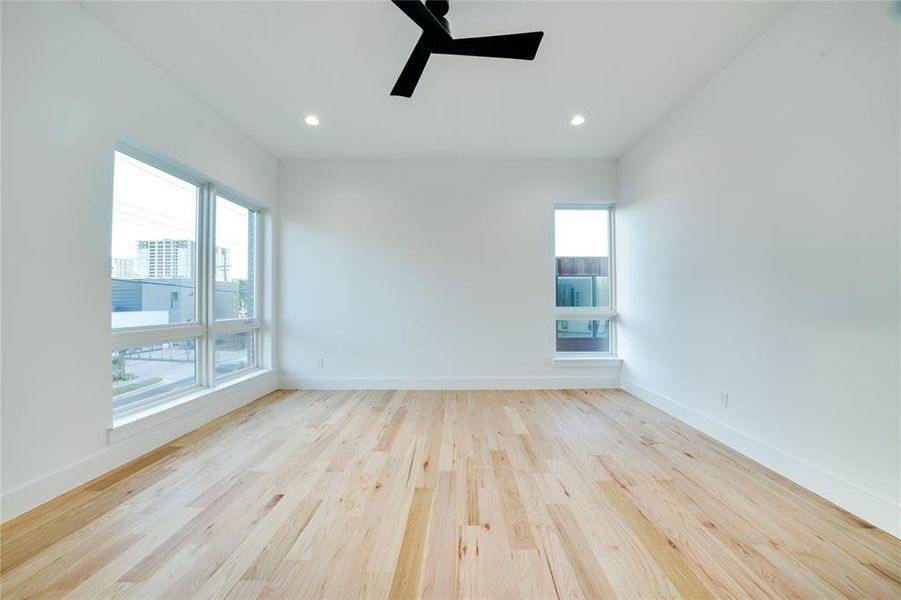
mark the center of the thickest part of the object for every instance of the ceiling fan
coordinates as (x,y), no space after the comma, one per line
(436,39)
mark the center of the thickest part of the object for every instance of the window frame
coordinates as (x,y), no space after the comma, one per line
(205,328)
(588,312)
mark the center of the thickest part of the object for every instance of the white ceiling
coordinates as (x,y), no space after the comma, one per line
(265,65)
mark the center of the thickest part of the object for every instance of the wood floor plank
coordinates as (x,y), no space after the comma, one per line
(558,564)
(588,572)
(85,508)
(390,432)
(283,538)
(658,545)
(440,558)
(154,532)
(444,494)
(405,583)
(519,533)
(472,493)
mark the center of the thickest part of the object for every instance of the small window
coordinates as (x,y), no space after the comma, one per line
(584,279)
(152,370)
(583,335)
(234,353)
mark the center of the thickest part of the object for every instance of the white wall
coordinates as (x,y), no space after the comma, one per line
(426,273)
(70,87)
(758,247)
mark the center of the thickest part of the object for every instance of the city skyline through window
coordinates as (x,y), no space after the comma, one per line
(149,204)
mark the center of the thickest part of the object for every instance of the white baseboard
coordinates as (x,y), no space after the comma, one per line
(881,512)
(40,490)
(608,378)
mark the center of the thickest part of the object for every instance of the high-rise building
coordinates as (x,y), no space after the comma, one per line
(169,259)
(223,264)
(166,259)
(123,268)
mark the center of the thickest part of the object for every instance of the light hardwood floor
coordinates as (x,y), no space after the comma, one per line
(527,494)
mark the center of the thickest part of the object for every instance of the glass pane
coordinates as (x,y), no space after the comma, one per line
(583,335)
(234,353)
(235,260)
(154,257)
(582,239)
(151,370)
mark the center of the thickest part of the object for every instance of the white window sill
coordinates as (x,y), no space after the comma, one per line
(164,412)
(586,362)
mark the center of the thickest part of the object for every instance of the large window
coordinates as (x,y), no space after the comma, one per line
(585,313)
(185,282)
(154,254)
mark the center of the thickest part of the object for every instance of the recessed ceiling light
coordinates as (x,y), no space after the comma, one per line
(312,120)
(577,120)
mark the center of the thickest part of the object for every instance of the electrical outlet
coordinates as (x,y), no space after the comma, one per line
(724,399)
(321,363)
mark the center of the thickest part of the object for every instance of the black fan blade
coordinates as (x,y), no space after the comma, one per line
(438,8)
(409,77)
(522,46)
(423,17)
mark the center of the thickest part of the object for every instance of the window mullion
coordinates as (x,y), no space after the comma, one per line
(131,339)
(258,300)
(211,280)
(584,312)
(611,252)
(611,273)
(233,326)
(206,276)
